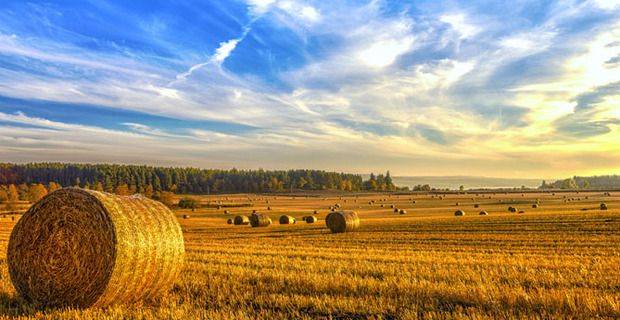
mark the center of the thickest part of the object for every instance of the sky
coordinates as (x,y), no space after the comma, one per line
(516,89)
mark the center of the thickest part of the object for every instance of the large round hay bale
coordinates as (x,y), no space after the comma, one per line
(342,221)
(259,220)
(84,248)
(535,205)
(284,219)
(310,219)
(241,220)
(603,206)
(459,213)
(512,209)
(402,211)
(229,221)
(483,213)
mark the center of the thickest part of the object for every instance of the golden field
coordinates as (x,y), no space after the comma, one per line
(555,261)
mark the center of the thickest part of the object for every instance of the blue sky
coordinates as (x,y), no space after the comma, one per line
(494,88)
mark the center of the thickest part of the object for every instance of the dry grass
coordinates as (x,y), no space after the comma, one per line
(555,262)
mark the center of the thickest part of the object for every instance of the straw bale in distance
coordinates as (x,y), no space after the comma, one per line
(229,221)
(241,220)
(284,219)
(603,206)
(342,221)
(310,219)
(259,220)
(483,213)
(84,248)
(459,213)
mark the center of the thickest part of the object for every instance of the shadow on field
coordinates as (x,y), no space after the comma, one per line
(13,306)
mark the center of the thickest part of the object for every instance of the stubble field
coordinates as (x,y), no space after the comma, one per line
(560,260)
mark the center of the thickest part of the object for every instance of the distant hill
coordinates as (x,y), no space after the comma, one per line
(454,182)
(594,182)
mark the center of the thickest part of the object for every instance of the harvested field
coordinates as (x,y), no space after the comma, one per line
(553,262)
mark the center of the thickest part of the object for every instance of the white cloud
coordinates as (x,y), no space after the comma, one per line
(351,98)
(224,50)
(461,23)
(383,53)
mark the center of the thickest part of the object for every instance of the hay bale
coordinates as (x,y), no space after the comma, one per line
(535,205)
(402,211)
(342,221)
(603,206)
(241,220)
(310,219)
(226,212)
(84,248)
(229,221)
(186,216)
(521,211)
(459,213)
(476,205)
(483,213)
(259,220)
(284,219)
(512,209)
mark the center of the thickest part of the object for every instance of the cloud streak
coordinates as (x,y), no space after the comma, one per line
(295,83)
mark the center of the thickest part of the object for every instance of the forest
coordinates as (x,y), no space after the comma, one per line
(586,183)
(130,179)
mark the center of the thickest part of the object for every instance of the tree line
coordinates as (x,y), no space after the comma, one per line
(592,183)
(148,180)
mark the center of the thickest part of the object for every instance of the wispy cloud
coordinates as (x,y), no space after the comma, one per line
(466,86)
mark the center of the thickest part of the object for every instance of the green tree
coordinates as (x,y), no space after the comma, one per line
(122,190)
(4,196)
(98,186)
(36,192)
(148,191)
(166,198)
(53,186)
(13,195)
(188,203)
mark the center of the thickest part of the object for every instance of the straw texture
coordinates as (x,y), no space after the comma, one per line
(259,220)
(310,219)
(284,219)
(241,220)
(342,221)
(86,248)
